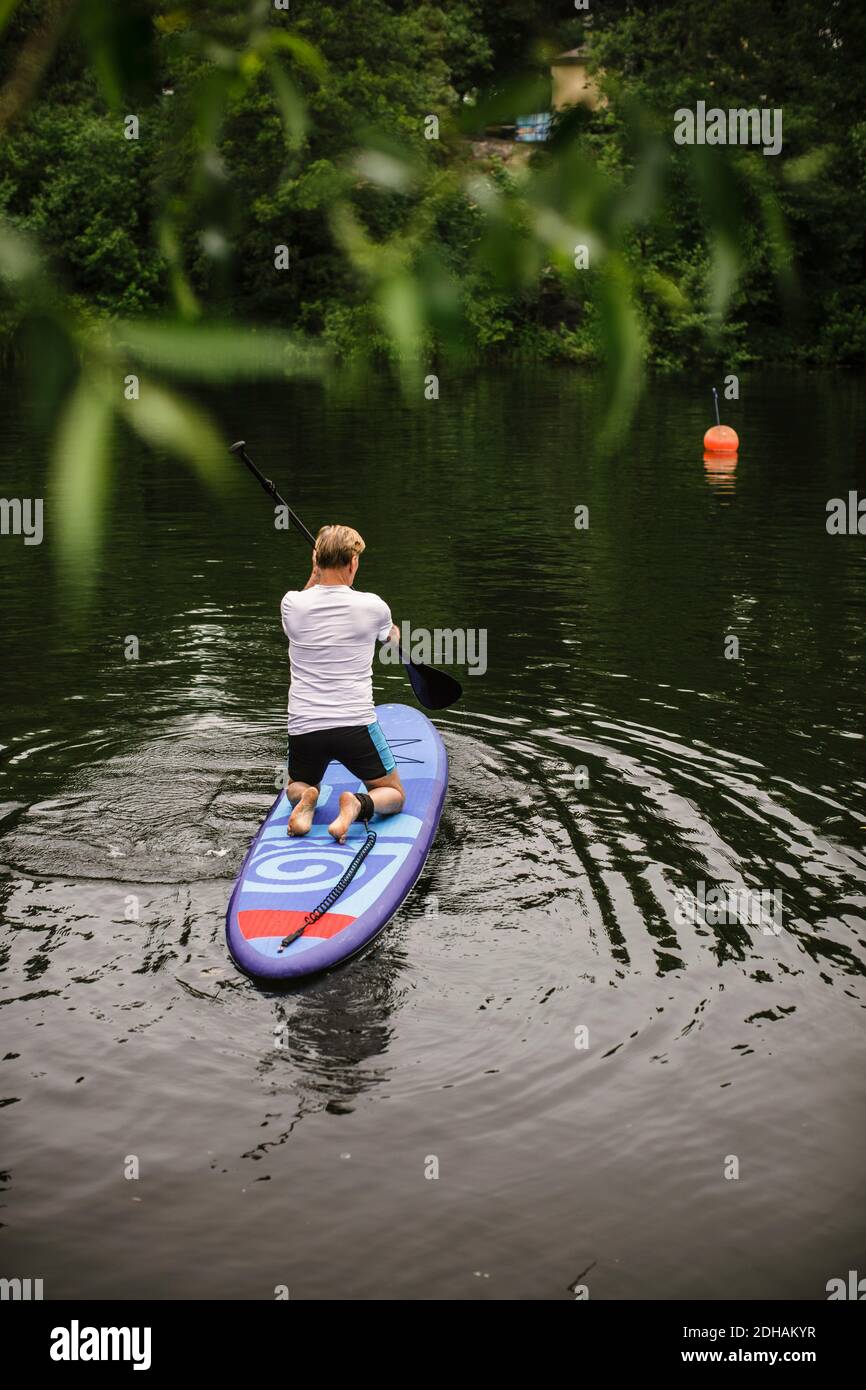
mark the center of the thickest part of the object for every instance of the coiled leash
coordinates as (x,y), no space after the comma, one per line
(367,810)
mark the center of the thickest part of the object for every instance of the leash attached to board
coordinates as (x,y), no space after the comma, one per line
(338,889)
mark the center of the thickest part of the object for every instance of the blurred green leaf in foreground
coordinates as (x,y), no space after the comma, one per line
(354,135)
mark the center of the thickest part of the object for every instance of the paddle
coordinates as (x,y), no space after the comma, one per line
(433,689)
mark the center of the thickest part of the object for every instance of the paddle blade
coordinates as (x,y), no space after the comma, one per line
(433,689)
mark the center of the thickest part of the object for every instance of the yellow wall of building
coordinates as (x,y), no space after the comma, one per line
(572,85)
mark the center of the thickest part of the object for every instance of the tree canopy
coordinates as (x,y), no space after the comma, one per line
(213,190)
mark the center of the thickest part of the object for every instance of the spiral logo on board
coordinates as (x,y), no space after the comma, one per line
(278,867)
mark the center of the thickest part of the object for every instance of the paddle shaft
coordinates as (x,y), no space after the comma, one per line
(241,449)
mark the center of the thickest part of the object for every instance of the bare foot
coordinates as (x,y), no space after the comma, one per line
(302,817)
(350,807)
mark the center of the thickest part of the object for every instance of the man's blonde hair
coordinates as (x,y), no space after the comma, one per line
(335,546)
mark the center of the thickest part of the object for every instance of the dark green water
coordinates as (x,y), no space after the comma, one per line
(283,1139)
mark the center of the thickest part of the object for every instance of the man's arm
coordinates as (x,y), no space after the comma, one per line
(314,574)
(387,630)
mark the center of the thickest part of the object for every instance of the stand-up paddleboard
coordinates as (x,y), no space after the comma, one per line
(283,878)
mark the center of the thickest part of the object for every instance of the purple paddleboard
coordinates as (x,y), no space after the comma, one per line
(282,879)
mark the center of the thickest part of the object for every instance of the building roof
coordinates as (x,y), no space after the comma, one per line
(572,57)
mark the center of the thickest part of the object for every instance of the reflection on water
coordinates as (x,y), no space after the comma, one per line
(721,471)
(579,1055)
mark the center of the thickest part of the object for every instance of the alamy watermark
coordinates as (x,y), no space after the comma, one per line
(853,1288)
(440,646)
(736,126)
(77,1343)
(730,905)
(846,518)
(22,517)
(20,1290)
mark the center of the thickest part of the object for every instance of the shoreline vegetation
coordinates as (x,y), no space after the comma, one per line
(204,190)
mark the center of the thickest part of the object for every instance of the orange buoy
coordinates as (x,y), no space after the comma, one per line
(721,439)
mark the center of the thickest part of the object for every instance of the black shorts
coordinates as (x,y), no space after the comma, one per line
(362,748)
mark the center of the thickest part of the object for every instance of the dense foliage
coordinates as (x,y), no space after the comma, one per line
(235,157)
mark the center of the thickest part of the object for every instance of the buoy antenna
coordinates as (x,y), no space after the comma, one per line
(716,404)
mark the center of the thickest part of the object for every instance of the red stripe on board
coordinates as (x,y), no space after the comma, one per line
(272,921)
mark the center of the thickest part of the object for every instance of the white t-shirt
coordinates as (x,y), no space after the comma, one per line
(332,632)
